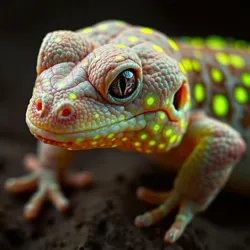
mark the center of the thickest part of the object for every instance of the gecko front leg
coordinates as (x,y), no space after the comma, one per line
(216,150)
(48,170)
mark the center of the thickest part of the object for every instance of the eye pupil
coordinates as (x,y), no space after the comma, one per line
(127,81)
(124,84)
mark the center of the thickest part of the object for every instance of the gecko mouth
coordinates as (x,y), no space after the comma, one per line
(132,124)
(67,140)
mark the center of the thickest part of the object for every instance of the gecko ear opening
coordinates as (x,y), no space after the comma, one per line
(181,96)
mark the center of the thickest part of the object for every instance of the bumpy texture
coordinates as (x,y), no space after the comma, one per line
(117,85)
(71,105)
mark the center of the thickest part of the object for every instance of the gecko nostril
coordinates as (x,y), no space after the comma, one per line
(66,111)
(39,105)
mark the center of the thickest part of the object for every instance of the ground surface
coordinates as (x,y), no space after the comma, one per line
(101,216)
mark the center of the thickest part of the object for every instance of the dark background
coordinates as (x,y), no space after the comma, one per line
(102,217)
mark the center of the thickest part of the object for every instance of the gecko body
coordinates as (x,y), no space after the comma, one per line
(115,85)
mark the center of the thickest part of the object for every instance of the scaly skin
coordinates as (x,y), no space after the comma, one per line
(78,104)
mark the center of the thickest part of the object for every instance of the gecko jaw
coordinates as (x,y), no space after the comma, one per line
(68,139)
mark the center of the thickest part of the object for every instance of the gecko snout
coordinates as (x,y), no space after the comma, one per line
(45,107)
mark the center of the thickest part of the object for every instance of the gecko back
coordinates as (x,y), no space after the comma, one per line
(219,78)
(218,70)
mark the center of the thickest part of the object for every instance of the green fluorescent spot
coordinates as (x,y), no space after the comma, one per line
(196,65)
(222,58)
(215,42)
(237,61)
(182,68)
(162,115)
(216,75)
(220,105)
(240,95)
(197,42)
(187,64)
(110,136)
(156,127)
(144,136)
(169,131)
(173,139)
(245,78)
(199,92)
(150,100)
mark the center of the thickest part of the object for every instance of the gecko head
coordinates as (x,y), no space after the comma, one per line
(111,97)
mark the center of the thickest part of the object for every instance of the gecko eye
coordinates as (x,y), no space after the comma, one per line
(181,96)
(124,85)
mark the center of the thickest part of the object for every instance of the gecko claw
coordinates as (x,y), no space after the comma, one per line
(168,202)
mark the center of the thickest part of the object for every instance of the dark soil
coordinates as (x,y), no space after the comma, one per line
(101,216)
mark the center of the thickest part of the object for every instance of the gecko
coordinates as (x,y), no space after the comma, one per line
(183,102)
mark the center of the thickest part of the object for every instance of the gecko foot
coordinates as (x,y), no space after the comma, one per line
(46,181)
(168,201)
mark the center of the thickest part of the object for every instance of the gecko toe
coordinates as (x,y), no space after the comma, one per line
(150,196)
(58,199)
(47,183)
(48,189)
(157,214)
(171,236)
(169,200)
(186,213)
(21,184)
(34,205)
